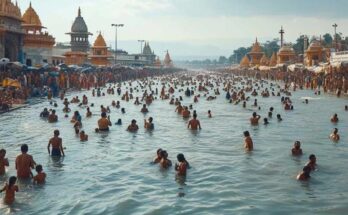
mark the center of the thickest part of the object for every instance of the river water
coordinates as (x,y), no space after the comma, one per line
(112,173)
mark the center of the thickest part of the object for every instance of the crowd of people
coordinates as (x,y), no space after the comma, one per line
(238,90)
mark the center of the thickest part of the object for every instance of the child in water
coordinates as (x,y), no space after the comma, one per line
(209,114)
(182,166)
(11,188)
(40,178)
(297,149)
(3,161)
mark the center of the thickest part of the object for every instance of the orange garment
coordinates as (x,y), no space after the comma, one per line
(23,164)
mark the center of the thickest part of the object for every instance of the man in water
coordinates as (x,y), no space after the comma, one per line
(24,163)
(254,120)
(57,146)
(104,122)
(194,123)
(248,142)
(304,175)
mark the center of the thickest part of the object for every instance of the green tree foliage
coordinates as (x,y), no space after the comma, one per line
(270,47)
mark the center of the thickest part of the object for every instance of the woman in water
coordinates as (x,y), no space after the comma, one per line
(158,158)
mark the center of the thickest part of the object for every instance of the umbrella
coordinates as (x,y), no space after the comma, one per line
(4,61)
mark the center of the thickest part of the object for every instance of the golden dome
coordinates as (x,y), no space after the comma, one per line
(286,50)
(256,47)
(244,62)
(30,17)
(8,9)
(167,61)
(315,46)
(99,42)
(273,61)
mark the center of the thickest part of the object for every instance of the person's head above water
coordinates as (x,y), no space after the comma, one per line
(297,144)
(24,148)
(56,133)
(246,134)
(103,115)
(181,157)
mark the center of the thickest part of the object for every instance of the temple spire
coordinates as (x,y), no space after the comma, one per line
(79,12)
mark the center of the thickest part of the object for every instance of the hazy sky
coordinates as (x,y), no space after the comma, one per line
(193,27)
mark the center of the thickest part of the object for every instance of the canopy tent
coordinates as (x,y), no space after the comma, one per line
(8,82)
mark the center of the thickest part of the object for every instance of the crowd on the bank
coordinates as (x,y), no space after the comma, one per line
(41,83)
(332,80)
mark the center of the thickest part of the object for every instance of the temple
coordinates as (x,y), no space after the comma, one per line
(273,60)
(148,54)
(37,45)
(158,62)
(314,54)
(244,63)
(99,55)
(286,55)
(255,54)
(264,60)
(167,62)
(11,32)
(79,42)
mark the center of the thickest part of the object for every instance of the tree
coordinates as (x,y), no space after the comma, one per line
(270,47)
(299,45)
(223,60)
(327,40)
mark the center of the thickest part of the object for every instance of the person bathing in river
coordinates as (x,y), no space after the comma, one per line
(103,123)
(334,118)
(334,136)
(296,150)
(83,136)
(3,162)
(312,163)
(165,163)
(305,174)
(57,145)
(158,157)
(182,166)
(254,120)
(149,124)
(10,189)
(194,123)
(248,142)
(133,127)
(24,163)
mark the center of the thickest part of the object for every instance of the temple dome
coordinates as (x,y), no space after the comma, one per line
(315,46)
(256,47)
(244,62)
(79,25)
(8,9)
(286,50)
(30,17)
(99,42)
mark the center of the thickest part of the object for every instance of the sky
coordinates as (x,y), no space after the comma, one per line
(193,29)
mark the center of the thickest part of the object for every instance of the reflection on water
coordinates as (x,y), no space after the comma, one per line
(111,174)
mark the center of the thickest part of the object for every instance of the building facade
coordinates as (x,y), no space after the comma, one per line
(11,32)
(37,45)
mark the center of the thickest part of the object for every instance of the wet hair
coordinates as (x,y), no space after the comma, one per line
(150,119)
(134,121)
(11,181)
(254,114)
(2,151)
(53,111)
(181,157)
(164,153)
(24,148)
(312,156)
(103,114)
(246,133)
(159,151)
(335,130)
(119,121)
(56,132)
(38,168)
